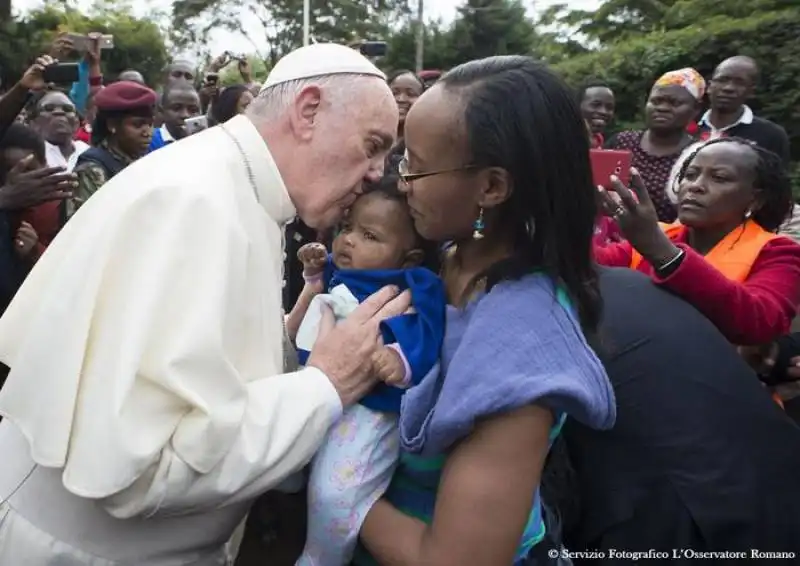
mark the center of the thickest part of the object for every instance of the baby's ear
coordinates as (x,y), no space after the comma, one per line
(414,258)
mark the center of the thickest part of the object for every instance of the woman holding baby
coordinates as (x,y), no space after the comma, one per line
(496,174)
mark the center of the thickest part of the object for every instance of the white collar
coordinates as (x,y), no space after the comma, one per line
(269,187)
(56,159)
(745,118)
(166,137)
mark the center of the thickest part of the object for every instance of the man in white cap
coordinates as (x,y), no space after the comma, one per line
(147,404)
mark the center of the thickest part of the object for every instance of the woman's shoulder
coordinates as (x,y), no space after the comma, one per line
(780,248)
(527,295)
(522,345)
(626,139)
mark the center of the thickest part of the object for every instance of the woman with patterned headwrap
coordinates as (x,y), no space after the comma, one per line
(673,103)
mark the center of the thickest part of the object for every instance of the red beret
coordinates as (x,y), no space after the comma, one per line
(124,96)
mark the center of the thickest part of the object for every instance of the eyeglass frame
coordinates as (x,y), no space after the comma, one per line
(50,108)
(411,177)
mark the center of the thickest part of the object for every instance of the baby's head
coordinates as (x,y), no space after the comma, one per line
(378,232)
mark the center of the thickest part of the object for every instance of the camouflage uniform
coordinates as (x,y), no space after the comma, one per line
(92,176)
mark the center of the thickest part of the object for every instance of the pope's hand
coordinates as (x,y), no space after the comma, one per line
(345,353)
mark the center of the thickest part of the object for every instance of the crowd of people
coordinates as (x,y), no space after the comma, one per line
(411,307)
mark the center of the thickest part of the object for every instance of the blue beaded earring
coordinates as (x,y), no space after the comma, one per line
(477,226)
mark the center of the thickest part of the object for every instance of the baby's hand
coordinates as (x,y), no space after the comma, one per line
(389,367)
(313,257)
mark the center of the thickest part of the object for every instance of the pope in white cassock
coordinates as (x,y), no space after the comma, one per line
(147,405)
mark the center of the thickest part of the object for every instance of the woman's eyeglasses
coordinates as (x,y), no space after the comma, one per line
(406,177)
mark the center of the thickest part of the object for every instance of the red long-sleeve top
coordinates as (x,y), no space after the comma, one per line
(83,134)
(757,311)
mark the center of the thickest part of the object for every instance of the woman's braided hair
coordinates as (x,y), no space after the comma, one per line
(771,181)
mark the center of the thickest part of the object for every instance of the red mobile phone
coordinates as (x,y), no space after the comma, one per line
(607,162)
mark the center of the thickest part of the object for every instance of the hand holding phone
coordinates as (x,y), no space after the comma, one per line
(608,162)
(83,43)
(61,73)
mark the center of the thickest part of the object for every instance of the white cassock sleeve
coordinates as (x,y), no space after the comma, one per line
(146,356)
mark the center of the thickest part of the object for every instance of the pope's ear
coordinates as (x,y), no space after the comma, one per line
(304,111)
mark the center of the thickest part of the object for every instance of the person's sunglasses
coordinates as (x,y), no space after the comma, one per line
(65,108)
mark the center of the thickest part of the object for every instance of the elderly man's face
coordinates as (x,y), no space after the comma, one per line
(57,119)
(344,145)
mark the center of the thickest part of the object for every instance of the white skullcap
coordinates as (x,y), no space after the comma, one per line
(320,59)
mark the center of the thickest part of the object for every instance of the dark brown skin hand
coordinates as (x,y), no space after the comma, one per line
(313,257)
(761,358)
(92,56)
(26,187)
(219,63)
(209,91)
(245,71)
(25,240)
(636,216)
(33,79)
(793,371)
(62,47)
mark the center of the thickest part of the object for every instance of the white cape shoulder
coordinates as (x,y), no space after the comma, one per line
(110,338)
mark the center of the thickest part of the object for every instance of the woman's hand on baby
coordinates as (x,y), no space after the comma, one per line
(389,366)
(313,257)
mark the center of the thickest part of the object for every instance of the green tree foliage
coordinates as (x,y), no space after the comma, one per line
(617,20)
(482,28)
(685,13)
(230,75)
(438,51)
(139,43)
(491,27)
(281,21)
(5,11)
(553,41)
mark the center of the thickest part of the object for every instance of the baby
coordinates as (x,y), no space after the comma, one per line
(376,246)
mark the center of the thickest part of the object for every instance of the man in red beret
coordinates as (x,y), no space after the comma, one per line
(147,404)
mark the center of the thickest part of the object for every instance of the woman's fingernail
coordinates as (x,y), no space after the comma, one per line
(614,178)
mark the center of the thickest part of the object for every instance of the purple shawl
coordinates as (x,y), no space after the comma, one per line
(516,345)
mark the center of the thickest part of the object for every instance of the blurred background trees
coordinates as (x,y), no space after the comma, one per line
(139,42)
